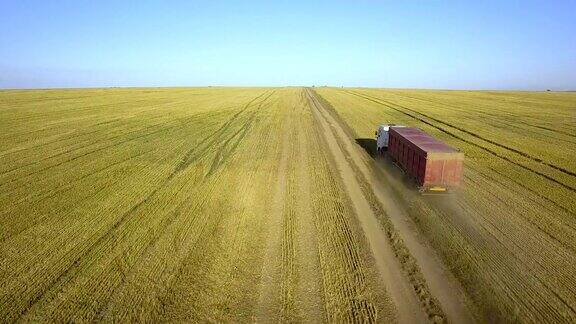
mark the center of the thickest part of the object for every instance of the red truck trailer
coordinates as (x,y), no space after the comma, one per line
(434,165)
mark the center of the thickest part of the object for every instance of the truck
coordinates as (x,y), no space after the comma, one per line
(431,164)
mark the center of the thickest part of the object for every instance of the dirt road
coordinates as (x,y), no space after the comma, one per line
(363,180)
(291,289)
(269,300)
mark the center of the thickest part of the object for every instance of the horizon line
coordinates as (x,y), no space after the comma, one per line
(283,86)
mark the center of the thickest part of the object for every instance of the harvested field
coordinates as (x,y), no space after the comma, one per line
(258,204)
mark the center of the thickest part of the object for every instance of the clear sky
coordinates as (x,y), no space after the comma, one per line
(528,45)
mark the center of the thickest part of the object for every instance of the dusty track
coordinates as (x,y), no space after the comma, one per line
(388,266)
(363,184)
(269,300)
(291,288)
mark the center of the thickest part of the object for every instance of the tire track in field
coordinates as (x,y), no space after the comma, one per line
(161,130)
(439,102)
(213,138)
(83,177)
(91,143)
(552,179)
(556,262)
(180,124)
(501,265)
(105,122)
(310,291)
(205,227)
(554,130)
(75,265)
(291,289)
(401,291)
(524,154)
(135,130)
(171,218)
(269,301)
(153,240)
(69,187)
(181,121)
(115,228)
(164,296)
(195,303)
(227,150)
(523,186)
(349,276)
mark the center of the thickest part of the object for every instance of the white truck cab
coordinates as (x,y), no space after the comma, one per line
(382,135)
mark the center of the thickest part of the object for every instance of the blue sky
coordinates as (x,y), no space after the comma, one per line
(527,45)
